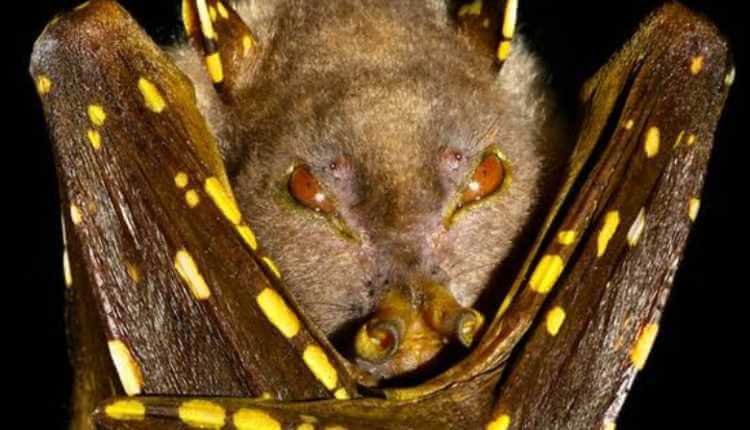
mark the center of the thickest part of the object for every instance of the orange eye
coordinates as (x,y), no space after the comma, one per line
(306,189)
(487,178)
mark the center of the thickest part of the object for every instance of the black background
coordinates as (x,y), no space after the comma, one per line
(686,380)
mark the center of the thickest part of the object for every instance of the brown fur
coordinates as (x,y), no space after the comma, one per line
(373,96)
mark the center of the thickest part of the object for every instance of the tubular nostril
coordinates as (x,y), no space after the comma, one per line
(378,341)
(448,318)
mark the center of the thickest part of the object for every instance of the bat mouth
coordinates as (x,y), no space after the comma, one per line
(410,327)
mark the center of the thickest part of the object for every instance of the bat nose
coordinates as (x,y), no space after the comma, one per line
(411,325)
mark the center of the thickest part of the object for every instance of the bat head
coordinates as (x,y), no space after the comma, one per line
(388,168)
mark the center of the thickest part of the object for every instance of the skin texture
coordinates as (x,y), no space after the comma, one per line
(392,110)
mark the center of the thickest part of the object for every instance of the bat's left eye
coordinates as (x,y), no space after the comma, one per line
(306,189)
(487,178)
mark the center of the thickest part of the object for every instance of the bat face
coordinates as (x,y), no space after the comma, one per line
(376,171)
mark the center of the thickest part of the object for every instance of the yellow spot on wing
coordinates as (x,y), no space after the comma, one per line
(503,51)
(67,274)
(611,221)
(696,65)
(187,20)
(205,20)
(546,273)
(202,414)
(43,85)
(729,78)
(133,272)
(609,425)
(75,214)
(151,95)
(95,139)
(509,18)
(629,124)
(222,10)
(651,142)
(305,426)
(272,267)
(255,419)
(222,200)
(694,205)
(318,363)
(277,311)
(636,229)
(215,69)
(181,179)
(554,321)
(566,237)
(641,349)
(127,368)
(473,8)
(97,114)
(188,271)
(690,139)
(192,198)
(212,13)
(341,394)
(248,236)
(500,423)
(126,410)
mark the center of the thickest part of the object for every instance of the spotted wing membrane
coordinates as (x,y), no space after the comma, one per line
(167,270)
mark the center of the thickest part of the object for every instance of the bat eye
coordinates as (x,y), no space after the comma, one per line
(487,178)
(306,189)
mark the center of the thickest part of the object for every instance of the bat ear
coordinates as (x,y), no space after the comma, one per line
(490,25)
(226,43)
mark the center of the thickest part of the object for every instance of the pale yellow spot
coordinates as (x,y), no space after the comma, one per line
(335,427)
(642,347)
(151,95)
(305,426)
(272,267)
(546,273)
(75,214)
(205,19)
(215,69)
(133,272)
(188,271)
(555,319)
(500,423)
(192,198)
(255,419)
(97,114)
(611,222)
(126,410)
(651,142)
(223,12)
(95,139)
(690,140)
(341,394)
(509,18)
(729,78)
(566,237)
(67,273)
(247,44)
(126,366)
(308,419)
(266,396)
(43,85)
(181,179)
(694,205)
(473,8)
(212,13)
(277,311)
(696,65)
(609,425)
(222,200)
(187,20)
(678,141)
(636,229)
(202,414)
(629,124)
(317,360)
(82,6)
(248,236)
(503,51)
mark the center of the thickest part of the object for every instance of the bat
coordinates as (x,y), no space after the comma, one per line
(283,222)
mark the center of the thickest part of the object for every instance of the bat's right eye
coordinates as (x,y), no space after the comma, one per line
(306,189)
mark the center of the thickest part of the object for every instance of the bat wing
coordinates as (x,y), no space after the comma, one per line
(168,272)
